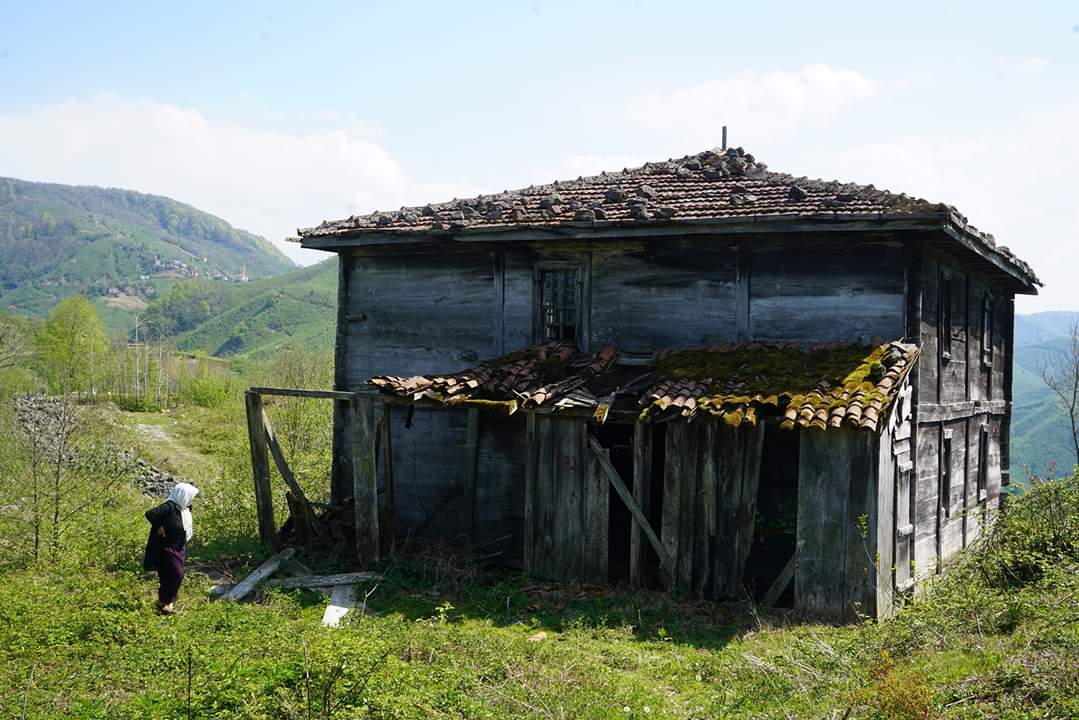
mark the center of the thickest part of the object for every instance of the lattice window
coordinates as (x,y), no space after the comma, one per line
(558,306)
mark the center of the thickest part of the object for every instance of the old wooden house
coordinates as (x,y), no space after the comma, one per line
(698,374)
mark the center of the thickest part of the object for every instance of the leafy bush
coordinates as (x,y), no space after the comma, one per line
(1038,531)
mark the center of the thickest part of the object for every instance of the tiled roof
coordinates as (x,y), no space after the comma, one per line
(552,373)
(817,385)
(712,185)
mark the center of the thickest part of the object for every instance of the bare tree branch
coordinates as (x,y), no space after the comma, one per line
(1059,370)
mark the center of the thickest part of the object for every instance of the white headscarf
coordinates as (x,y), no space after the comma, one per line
(182,495)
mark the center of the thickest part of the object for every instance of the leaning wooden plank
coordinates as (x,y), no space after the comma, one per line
(781,583)
(263,571)
(342,600)
(665,563)
(308,519)
(314,581)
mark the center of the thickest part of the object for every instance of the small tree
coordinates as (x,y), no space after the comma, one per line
(12,344)
(72,345)
(1060,372)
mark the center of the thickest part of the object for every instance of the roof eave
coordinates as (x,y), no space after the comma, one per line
(604,229)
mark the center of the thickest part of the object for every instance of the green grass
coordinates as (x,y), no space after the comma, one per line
(996,637)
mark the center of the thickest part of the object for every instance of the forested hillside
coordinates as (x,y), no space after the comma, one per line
(118,246)
(255,318)
(1041,437)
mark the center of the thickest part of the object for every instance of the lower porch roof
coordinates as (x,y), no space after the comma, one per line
(811,385)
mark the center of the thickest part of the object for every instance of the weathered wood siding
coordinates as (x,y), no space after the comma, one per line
(666,296)
(569,504)
(957,396)
(711,475)
(837,517)
(827,291)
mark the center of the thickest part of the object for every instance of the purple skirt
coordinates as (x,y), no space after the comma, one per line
(170,573)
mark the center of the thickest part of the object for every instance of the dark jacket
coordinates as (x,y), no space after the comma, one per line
(166,515)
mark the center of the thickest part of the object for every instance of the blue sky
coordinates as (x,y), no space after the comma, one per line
(275,116)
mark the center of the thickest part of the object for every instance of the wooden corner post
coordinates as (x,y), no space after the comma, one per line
(260,468)
(364,481)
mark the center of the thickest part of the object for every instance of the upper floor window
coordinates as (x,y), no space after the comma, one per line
(987,329)
(557,302)
(945,317)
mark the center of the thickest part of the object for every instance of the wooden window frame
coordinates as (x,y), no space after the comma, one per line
(945,472)
(983,463)
(987,330)
(945,316)
(573,267)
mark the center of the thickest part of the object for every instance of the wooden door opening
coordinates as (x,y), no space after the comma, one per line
(774,534)
(617,440)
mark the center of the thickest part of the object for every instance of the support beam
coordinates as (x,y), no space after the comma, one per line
(471,450)
(387,476)
(530,491)
(300,393)
(666,565)
(364,480)
(308,523)
(260,469)
(642,491)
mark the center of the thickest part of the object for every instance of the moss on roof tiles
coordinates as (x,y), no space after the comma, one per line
(814,384)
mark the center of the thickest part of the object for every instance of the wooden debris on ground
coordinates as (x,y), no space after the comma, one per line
(263,571)
(314,581)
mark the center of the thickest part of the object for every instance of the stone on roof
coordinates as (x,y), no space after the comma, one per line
(711,185)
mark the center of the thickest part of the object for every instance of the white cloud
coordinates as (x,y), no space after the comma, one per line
(762,106)
(1017,182)
(264,181)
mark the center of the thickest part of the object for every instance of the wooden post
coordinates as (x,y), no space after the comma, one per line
(364,480)
(642,490)
(471,449)
(260,469)
(530,491)
(387,475)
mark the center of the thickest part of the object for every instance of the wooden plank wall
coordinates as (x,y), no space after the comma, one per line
(837,504)
(957,396)
(827,291)
(665,296)
(406,313)
(569,504)
(711,474)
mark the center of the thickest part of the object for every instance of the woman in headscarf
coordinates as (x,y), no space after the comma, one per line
(170,529)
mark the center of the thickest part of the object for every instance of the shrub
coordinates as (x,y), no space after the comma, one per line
(1037,531)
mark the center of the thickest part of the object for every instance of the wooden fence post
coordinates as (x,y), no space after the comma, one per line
(364,479)
(642,491)
(260,469)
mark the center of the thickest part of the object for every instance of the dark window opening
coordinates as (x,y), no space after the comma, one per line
(558,308)
(946,475)
(775,526)
(945,317)
(987,330)
(983,463)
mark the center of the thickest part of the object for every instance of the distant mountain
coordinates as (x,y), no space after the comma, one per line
(251,319)
(1041,434)
(122,248)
